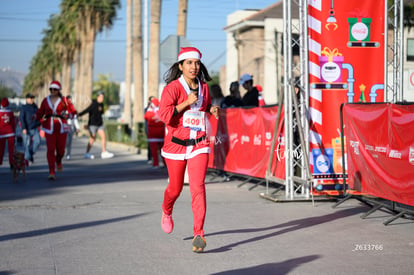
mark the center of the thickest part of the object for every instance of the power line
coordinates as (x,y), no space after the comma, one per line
(216,59)
(40,40)
(22,19)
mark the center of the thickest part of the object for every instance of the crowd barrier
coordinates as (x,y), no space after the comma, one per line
(380,149)
(379,141)
(241,140)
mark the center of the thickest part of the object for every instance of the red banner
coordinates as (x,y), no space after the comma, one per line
(346,64)
(380,146)
(241,141)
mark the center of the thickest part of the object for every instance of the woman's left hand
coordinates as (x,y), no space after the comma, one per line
(214,110)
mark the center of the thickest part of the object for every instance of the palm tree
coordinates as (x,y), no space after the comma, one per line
(91,16)
(138,113)
(182,18)
(45,65)
(154,50)
(105,84)
(63,38)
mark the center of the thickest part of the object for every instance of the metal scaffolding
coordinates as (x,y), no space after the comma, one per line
(298,179)
(394,57)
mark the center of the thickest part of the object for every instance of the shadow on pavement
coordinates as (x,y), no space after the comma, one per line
(284,228)
(273,268)
(35,233)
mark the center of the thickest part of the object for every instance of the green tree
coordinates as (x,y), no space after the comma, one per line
(215,79)
(109,87)
(409,15)
(6,91)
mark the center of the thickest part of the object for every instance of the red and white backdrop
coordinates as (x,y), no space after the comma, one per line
(346,64)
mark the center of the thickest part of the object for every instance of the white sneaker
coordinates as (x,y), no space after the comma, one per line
(107,155)
(89,156)
(68,157)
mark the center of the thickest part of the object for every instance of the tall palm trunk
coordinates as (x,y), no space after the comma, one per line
(88,56)
(127,102)
(88,63)
(154,50)
(66,74)
(82,74)
(77,79)
(137,63)
(182,18)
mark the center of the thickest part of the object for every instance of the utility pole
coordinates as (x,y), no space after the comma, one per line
(138,108)
(154,51)
(145,38)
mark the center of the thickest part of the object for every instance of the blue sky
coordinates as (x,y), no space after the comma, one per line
(22,23)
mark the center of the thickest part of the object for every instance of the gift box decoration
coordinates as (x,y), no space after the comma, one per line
(359,30)
(331,65)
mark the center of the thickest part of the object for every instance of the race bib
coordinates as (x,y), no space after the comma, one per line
(195,120)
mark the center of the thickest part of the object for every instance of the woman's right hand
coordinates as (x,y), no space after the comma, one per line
(192,98)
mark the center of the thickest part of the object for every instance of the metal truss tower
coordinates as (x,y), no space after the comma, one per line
(298,177)
(394,52)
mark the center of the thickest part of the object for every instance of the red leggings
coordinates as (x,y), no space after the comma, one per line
(197,169)
(10,148)
(55,142)
(154,147)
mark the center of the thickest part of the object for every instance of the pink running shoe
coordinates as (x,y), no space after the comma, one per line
(167,223)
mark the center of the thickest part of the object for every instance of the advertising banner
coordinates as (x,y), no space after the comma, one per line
(346,64)
(380,146)
(241,140)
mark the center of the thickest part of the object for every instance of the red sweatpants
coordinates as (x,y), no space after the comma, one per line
(55,142)
(155,148)
(197,169)
(10,148)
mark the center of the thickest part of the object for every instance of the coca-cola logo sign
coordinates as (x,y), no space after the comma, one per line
(360,31)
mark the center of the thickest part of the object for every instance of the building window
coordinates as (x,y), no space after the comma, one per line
(410,49)
(295,44)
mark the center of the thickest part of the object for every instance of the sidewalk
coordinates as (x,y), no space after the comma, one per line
(102,216)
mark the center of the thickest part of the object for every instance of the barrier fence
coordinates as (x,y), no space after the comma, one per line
(380,150)
(379,141)
(241,140)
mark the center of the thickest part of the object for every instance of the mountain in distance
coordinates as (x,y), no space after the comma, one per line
(12,79)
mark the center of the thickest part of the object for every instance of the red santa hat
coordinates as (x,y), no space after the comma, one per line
(155,101)
(189,52)
(4,102)
(55,85)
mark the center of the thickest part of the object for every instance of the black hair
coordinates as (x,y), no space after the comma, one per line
(174,72)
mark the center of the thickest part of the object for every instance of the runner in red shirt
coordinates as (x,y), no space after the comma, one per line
(54,112)
(7,131)
(185,102)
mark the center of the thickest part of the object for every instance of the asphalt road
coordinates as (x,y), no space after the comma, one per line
(103,217)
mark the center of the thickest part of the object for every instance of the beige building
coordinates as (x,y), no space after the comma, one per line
(255,46)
